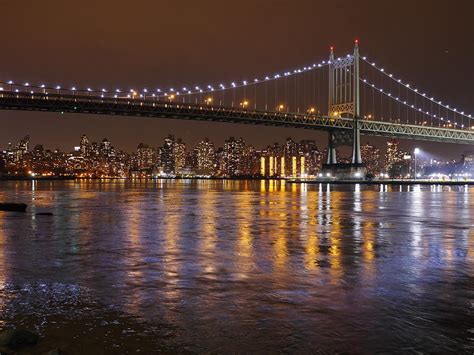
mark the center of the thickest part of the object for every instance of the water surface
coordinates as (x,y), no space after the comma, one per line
(244,266)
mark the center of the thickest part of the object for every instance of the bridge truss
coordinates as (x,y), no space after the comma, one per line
(158,109)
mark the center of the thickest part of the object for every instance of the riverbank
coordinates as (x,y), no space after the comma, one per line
(291,181)
(68,320)
(54,178)
(31,178)
(382,182)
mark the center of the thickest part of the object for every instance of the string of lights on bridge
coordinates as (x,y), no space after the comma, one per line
(415,91)
(196,89)
(407,104)
(172,93)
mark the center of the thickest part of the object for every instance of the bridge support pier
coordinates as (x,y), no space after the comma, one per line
(332,158)
(356,155)
(344,99)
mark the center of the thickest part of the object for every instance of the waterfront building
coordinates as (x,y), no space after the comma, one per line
(371,157)
(397,163)
(179,156)
(233,156)
(167,154)
(144,157)
(205,158)
(21,148)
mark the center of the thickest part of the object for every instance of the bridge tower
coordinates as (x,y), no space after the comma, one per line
(344,101)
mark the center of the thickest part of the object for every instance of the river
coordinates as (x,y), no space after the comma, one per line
(239,266)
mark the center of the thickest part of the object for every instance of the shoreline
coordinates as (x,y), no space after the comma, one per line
(382,182)
(288,181)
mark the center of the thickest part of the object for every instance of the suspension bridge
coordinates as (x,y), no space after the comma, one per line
(345,96)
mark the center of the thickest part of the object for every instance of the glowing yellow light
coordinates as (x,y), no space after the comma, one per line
(244,103)
(280,107)
(311,110)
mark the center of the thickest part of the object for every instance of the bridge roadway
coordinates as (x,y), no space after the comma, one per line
(152,108)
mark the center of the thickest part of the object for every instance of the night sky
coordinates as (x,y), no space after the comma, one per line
(176,43)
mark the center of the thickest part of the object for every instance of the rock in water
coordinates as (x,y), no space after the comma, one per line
(17,337)
(13,207)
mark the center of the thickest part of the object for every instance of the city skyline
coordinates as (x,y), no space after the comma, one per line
(193,139)
(236,158)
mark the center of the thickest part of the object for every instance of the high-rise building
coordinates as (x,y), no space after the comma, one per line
(180,156)
(312,157)
(371,157)
(167,155)
(105,147)
(233,153)
(145,157)
(250,164)
(190,164)
(84,146)
(291,150)
(392,154)
(396,162)
(205,158)
(21,148)
(172,155)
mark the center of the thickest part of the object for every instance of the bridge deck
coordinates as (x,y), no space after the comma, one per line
(150,108)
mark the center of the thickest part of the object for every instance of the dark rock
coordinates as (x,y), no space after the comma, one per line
(13,207)
(44,214)
(17,337)
(54,352)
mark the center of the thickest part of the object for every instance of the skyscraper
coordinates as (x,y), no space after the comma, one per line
(84,146)
(167,155)
(145,157)
(179,156)
(233,152)
(21,148)
(205,157)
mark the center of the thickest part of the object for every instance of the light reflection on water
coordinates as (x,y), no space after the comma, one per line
(253,265)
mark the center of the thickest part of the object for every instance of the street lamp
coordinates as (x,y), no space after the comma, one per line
(244,104)
(415,153)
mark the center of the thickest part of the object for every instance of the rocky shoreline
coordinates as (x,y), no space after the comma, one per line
(37,320)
